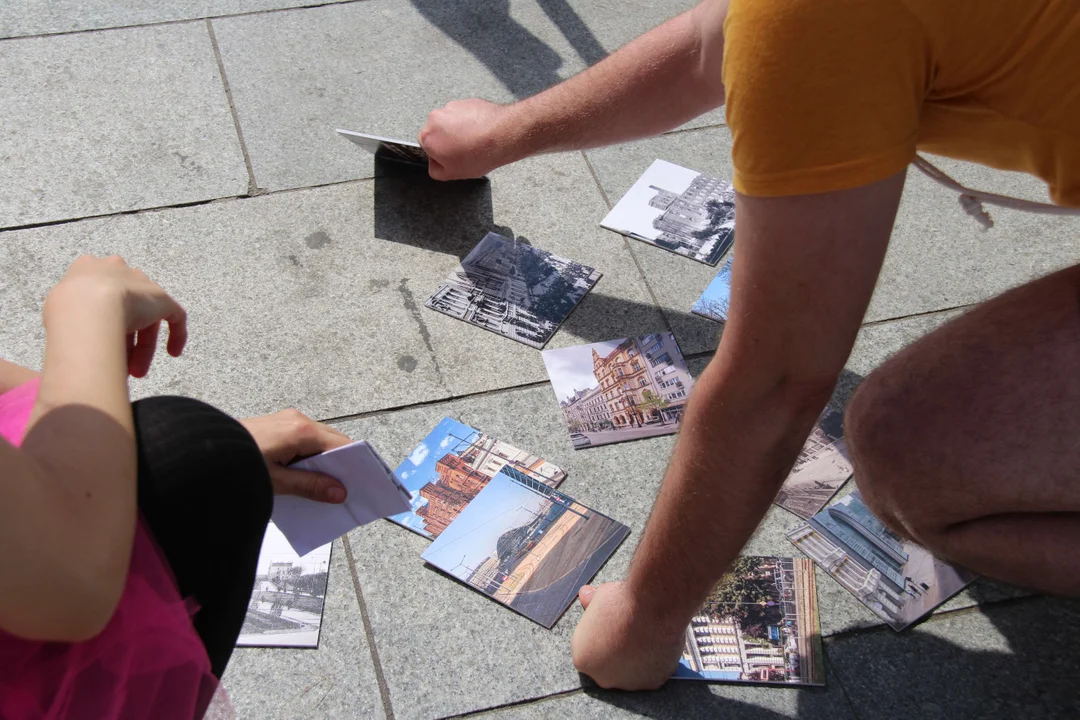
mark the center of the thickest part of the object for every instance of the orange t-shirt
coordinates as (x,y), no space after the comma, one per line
(833,94)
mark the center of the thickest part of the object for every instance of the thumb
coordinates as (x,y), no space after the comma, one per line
(306,484)
(436,170)
(585,595)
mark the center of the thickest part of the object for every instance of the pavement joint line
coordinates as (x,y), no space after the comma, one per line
(696,128)
(514,703)
(925,313)
(626,242)
(180,21)
(369,631)
(253,186)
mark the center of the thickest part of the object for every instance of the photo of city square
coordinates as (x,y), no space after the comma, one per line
(716,299)
(822,468)
(897,580)
(286,604)
(451,466)
(679,210)
(621,389)
(758,625)
(514,290)
(526,546)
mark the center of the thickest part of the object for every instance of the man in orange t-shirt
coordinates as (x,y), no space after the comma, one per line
(828,101)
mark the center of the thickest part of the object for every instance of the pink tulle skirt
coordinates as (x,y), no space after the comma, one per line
(148,662)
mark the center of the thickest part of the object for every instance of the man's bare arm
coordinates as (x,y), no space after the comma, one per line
(803,273)
(662,79)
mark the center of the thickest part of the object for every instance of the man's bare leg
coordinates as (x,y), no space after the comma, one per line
(968,440)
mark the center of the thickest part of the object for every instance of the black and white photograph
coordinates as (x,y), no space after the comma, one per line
(620,390)
(401,151)
(680,210)
(896,579)
(822,468)
(514,289)
(286,604)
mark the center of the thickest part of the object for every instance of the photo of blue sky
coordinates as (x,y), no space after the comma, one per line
(418,469)
(714,302)
(502,505)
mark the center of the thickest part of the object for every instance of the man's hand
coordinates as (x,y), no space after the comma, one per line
(287,436)
(619,648)
(464,140)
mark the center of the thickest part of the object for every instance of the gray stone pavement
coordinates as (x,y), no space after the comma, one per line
(196,140)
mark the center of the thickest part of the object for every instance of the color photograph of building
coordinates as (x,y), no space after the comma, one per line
(526,545)
(451,466)
(514,289)
(897,580)
(680,210)
(621,389)
(822,468)
(758,625)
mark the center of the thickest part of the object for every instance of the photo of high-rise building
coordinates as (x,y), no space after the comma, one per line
(514,289)
(451,466)
(680,210)
(896,579)
(822,468)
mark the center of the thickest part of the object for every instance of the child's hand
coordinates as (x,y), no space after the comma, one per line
(285,437)
(107,286)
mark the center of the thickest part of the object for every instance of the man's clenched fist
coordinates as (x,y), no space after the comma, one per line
(468,139)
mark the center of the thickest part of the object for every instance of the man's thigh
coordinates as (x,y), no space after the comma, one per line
(980,417)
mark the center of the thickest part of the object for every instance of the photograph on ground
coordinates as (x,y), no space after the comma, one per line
(514,290)
(897,580)
(397,150)
(822,468)
(450,466)
(758,625)
(286,604)
(716,299)
(526,546)
(620,390)
(679,210)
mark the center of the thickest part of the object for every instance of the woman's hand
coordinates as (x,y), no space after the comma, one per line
(287,436)
(108,284)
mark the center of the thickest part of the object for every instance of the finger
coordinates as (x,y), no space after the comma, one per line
(436,170)
(142,355)
(311,438)
(306,484)
(178,333)
(585,595)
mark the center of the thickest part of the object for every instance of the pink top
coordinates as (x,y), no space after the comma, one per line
(148,662)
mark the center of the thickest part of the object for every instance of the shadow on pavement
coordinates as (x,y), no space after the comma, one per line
(522,62)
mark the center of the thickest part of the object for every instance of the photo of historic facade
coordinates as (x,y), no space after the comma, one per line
(514,289)
(896,579)
(286,604)
(822,468)
(759,625)
(680,210)
(620,390)
(451,466)
(526,546)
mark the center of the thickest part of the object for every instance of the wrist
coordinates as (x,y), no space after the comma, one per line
(79,302)
(654,607)
(517,132)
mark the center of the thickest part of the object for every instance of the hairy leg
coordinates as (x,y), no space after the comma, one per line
(968,440)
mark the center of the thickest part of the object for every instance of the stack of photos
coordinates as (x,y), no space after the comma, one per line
(287,601)
(820,471)
(758,625)
(397,150)
(716,299)
(679,210)
(621,389)
(897,580)
(526,546)
(514,289)
(451,466)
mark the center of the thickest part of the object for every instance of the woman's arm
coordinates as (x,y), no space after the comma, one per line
(67,495)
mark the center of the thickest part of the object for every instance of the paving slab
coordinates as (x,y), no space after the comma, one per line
(113,121)
(297,75)
(20,18)
(315,298)
(1011,660)
(336,680)
(939,257)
